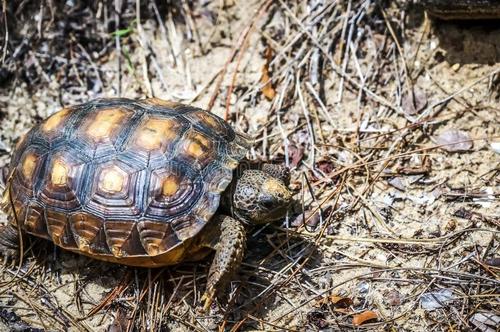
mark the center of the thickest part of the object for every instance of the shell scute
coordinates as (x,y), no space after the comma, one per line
(115,190)
(34,220)
(173,190)
(62,180)
(86,228)
(197,148)
(157,237)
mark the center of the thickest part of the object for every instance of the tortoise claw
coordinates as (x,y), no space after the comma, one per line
(9,256)
(9,238)
(208,299)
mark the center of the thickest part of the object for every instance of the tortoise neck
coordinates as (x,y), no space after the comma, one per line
(226,205)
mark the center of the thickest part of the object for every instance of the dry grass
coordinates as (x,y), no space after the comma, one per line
(352,95)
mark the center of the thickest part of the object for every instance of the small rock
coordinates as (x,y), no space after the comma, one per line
(317,318)
(455,67)
(434,231)
(363,288)
(495,146)
(451,225)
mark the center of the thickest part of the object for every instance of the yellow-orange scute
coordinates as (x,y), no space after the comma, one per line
(154,134)
(60,172)
(85,228)
(56,221)
(29,165)
(198,146)
(160,102)
(55,121)
(112,180)
(170,185)
(105,123)
(118,233)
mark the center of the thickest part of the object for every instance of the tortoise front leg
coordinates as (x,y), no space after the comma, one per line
(9,242)
(229,243)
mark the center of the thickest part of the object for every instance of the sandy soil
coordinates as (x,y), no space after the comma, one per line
(403,217)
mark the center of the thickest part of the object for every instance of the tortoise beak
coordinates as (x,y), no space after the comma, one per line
(276,205)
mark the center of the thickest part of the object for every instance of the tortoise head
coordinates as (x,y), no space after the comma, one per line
(262,196)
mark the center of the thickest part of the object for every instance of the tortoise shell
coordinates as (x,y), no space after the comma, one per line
(122,180)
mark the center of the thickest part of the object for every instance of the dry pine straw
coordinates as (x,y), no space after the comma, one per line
(351,95)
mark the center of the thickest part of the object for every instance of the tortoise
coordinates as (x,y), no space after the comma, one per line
(143,183)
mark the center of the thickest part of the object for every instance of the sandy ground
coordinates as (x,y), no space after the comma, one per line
(402,217)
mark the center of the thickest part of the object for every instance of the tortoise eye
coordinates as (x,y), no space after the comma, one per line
(267,202)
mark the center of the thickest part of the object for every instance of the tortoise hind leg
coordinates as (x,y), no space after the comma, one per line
(229,243)
(9,242)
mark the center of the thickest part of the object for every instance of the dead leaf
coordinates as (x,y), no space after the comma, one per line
(454,140)
(340,301)
(393,298)
(120,322)
(485,322)
(312,220)
(299,219)
(493,262)
(413,103)
(397,183)
(296,153)
(268,89)
(337,303)
(317,318)
(364,317)
(326,166)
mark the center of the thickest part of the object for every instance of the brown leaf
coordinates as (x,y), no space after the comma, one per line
(296,152)
(393,297)
(120,322)
(268,89)
(326,166)
(312,220)
(397,183)
(299,220)
(340,301)
(364,317)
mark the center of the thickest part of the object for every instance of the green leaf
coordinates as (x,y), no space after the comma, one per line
(122,32)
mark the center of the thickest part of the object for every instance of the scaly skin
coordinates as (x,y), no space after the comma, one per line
(9,234)
(278,171)
(9,242)
(260,197)
(228,239)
